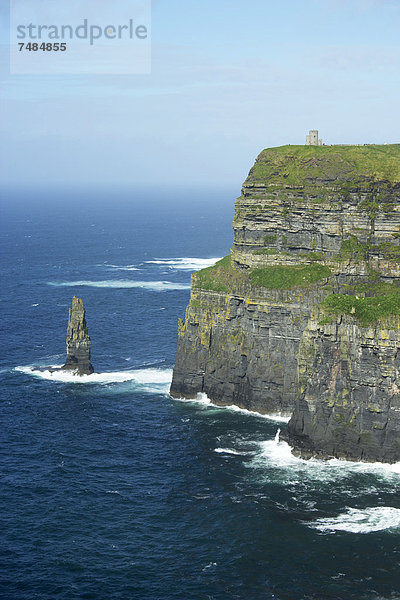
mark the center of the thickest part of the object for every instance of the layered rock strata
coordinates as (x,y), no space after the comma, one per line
(302,318)
(78,340)
(348,401)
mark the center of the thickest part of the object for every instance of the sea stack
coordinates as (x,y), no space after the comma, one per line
(78,340)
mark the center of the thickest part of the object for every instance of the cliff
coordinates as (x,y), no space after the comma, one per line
(302,319)
(78,340)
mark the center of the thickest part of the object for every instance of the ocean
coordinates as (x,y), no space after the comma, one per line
(111,489)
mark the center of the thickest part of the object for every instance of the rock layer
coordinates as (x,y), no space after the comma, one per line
(348,401)
(78,340)
(302,318)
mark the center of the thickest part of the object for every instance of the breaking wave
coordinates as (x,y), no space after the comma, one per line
(229,451)
(274,417)
(155,286)
(185,264)
(157,380)
(203,399)
(278,454)
(354,520)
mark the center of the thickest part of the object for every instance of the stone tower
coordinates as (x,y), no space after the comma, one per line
(312,138)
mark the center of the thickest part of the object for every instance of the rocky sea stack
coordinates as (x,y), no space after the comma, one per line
(78,340)
(303,317)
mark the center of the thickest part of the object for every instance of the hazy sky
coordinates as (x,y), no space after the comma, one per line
(229,77)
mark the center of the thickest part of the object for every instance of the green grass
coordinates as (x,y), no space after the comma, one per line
(224,277)
(269,239)
(365,310)
(352,247)
(267,251)
(343,165)
(367,302)
(286,277)
(221,277)
(313,256)
(213,278)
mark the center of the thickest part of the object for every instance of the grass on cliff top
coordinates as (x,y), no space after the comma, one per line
(221,277)
(224,277)
(383,300)
(285,277)
(296,165)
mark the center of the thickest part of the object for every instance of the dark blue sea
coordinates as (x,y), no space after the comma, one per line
(112,490)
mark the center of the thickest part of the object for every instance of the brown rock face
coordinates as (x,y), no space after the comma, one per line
(78,340)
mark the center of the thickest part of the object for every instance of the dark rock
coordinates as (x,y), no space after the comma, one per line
(78,340)
(348,402)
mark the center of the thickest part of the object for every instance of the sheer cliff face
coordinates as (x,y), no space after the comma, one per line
(78,340)
(301,318)
(241,350)
(348,402)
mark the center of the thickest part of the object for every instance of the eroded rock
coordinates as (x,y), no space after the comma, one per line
(78,340)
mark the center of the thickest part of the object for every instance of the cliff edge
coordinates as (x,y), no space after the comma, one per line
(302,318)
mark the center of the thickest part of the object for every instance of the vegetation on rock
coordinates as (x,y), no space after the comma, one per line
(286,277)
(367,303)
(218,278)
(297,165)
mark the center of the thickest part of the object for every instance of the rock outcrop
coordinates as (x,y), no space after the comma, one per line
(78,340)
(302,319)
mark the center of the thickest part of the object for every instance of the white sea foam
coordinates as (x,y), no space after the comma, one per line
(354,520)
(34,304)
(155,286)
(229,451)
(277,417)
(279,455)
(122,267)
(185,264)
(157,380)
(203,399)
(209,566)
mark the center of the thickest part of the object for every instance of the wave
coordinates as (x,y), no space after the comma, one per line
(367,520)
(185,264)
(229,451)
(278,454)
(204,400)
(121,267)
(150,379)
(182,264)
(278,418)
(155,286)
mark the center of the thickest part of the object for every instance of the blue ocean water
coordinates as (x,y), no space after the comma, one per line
(111,489)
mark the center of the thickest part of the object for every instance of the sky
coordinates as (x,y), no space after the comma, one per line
(228,78)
